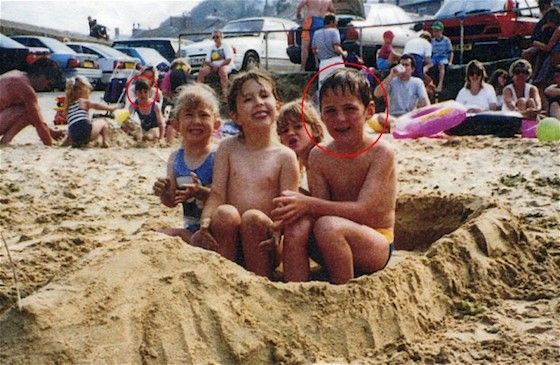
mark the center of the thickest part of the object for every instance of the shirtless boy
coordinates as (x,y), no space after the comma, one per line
(249,171)
(19,106)
(353,199)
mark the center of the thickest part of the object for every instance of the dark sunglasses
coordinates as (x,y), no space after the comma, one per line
(216,37)
(518,72)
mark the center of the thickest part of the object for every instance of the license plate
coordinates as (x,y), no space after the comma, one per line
(88,64)
(197,61)
(466,47)
(129,65)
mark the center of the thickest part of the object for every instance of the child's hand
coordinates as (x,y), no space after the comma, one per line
(203,239)
(161,186)
(291,206)
(188,191)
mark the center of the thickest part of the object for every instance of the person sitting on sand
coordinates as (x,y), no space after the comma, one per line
(405,92)
(520,95)
(19,106)
(148,112)
(291,131)
(249,171)
(477,96)
(81,129)
(189,169)
(552,93)
(352,199)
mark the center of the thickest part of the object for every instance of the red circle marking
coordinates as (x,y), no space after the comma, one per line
(384,126)
(154,82)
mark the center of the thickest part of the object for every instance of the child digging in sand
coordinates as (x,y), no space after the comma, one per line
(249,171)
(81,129)
(353,199)
(151,120)
(189,169)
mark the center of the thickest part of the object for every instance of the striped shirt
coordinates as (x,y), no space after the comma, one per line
(75,113)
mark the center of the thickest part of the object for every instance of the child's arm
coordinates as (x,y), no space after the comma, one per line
(220,175)
(159,119)
(98,106)
(379,186)
(165,187)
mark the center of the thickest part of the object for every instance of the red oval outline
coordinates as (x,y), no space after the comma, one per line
(152,79)
(384,126)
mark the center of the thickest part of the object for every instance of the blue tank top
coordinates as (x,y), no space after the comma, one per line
(192,209)
(147,121)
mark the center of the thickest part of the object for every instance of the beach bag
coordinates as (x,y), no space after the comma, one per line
(114,90)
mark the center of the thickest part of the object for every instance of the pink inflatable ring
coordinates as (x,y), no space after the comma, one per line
(430,120)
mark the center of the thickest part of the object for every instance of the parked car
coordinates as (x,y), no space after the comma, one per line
(251,45)
(493,29)
(110,59)
(14,55)
(146,57)
(71,63)
(169,48)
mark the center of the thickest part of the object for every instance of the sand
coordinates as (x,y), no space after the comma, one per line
(475,278)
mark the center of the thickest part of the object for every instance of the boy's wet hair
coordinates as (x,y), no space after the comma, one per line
(141,84)
(347,80)
(240,79)
(292,112)
(192,96)
(47,68)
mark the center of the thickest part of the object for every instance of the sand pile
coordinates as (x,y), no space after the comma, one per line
(475,277)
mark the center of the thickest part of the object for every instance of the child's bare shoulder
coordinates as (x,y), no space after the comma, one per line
(228,144)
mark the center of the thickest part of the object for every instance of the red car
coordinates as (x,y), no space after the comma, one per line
(492,29)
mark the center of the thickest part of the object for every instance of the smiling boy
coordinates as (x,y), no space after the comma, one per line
(353,199)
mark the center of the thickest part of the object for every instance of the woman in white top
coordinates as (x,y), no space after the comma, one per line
(519,95)
(477,96)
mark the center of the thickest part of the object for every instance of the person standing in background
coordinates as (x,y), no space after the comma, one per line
(315,11)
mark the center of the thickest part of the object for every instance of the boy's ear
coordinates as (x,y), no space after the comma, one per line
(370,110)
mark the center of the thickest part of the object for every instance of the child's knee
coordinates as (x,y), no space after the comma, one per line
(227,215)
(325,228)
(255,218)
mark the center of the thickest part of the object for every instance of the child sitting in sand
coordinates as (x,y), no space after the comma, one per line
(148,112)
(81,129)
(293,134)
(189,169)
(250,170)
(353,199)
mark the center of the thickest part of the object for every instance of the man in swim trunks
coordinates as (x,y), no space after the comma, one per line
(315,11)
(19,106)
(353,193)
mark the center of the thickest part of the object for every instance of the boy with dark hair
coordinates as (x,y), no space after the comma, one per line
(352,199)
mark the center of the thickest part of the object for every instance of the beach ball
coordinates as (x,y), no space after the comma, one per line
(548,129)
(121,115)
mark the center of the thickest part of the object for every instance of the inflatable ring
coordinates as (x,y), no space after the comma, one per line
(430,120)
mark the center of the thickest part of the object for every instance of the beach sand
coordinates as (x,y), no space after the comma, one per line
(475,278)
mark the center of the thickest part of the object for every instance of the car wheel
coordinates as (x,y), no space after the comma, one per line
(250,61)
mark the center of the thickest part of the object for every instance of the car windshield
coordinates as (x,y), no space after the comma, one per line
(151,56)
(56,46)
(107,50)
(453,8)
(254,26)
